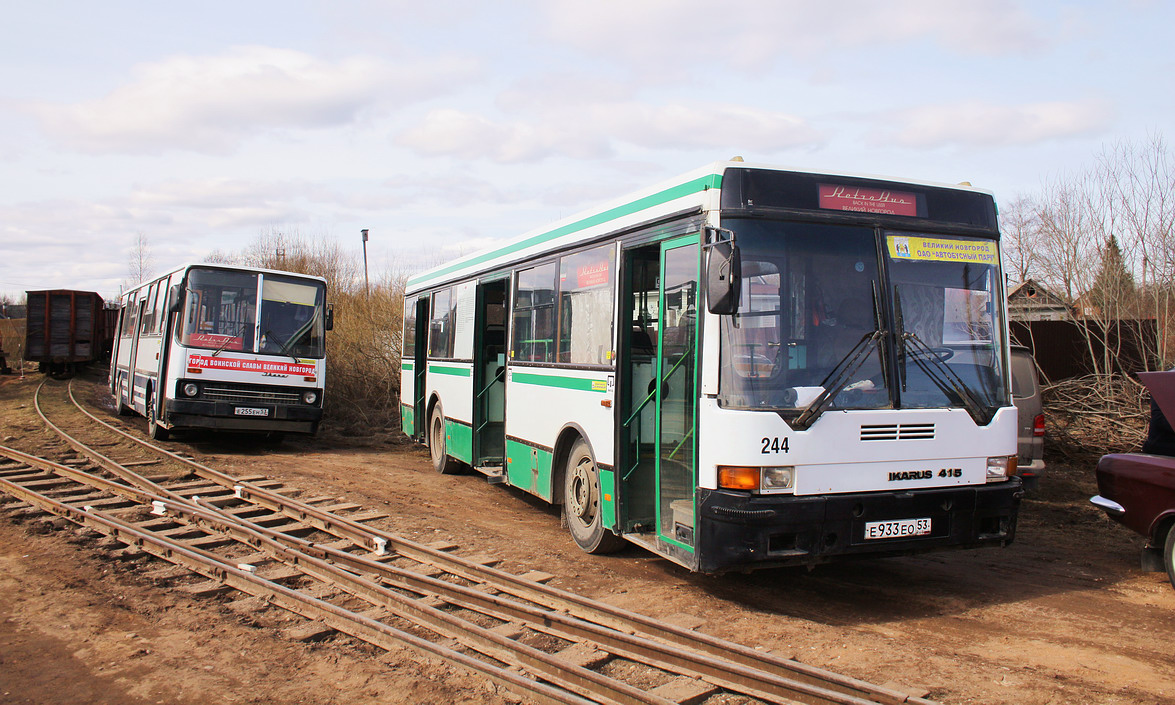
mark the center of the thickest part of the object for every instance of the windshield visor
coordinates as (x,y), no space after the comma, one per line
(807,323)
(947,321)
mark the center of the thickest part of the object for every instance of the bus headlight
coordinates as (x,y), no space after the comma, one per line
(778,478)
(309,397)
(191,389)
(1001,468)
(756,479)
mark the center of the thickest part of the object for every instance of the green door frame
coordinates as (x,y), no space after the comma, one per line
(663,375)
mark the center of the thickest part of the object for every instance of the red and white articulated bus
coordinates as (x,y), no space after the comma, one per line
(223,347)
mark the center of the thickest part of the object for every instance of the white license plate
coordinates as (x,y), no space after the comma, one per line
(250,411)
(897,528)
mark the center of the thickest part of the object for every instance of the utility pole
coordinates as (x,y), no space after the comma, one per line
(366,283)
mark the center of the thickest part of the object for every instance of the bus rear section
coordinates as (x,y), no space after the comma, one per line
(226,348)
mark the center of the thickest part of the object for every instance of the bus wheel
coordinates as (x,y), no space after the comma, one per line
(436,444)
(582,505)
(154,430)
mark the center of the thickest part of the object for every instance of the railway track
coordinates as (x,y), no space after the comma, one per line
(320,559)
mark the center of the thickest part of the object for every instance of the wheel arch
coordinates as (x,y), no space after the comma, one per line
(1162,526)
(564,442)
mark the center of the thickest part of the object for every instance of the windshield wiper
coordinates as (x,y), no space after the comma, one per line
(230,339)
(837,380)
(945,378)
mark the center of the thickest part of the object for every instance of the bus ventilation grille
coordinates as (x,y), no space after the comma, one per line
(898,432)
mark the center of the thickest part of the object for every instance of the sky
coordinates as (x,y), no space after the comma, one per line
(442,127)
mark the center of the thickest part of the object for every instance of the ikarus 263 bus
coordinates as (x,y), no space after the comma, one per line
(223,347)
(746,366)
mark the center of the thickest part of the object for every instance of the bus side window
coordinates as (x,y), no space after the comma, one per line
(534,315)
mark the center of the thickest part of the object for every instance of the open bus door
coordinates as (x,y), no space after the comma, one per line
(419,363)
(658,396)
(489,375)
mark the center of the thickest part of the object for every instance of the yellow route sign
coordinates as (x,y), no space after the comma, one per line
(937,249)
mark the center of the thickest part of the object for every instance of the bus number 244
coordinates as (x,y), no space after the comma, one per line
(774,445)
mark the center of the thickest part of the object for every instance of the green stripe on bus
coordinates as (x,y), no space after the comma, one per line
(408,419)
(459,441)
(581,384)
(703,183)
(455,371)
(407,365)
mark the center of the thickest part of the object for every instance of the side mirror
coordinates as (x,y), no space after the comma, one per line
(329,321)
(723,277)
(176,299)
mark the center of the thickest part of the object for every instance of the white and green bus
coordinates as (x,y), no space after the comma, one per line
(744,367)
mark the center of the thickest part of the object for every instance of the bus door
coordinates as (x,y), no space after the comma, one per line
(136,326)
(657,464)
(419,363)
(489,374)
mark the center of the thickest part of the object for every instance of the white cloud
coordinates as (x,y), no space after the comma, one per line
(980,124)
(595,131)
(212,103)
(668,33)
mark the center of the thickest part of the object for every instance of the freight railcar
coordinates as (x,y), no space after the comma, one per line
(65,330)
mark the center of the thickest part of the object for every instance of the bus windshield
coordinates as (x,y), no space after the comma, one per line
(819,324)
(221,313)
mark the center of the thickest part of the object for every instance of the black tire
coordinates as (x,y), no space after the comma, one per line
(441,461)
(1169,554)
(154,430)
(123,409)
(582,503)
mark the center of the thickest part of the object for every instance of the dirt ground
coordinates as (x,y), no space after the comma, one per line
(1062,616)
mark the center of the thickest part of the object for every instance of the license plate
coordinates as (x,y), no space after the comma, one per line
(250,411)
(897,528)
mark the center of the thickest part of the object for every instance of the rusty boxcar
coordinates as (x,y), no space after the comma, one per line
(65,330)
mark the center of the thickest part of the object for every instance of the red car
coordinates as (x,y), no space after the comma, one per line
(1138,489)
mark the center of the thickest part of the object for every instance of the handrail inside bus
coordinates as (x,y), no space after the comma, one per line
(641,406)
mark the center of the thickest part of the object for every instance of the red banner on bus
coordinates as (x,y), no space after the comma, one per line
(277,367)
(868,200)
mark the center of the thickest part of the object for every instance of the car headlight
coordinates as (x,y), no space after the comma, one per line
(191,389)
(309,397)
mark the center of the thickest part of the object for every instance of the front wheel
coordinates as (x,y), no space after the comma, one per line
(441,461)
(154,430)
(1169,554)
(582,505)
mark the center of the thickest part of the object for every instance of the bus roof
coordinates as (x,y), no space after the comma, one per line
(219,265)
(697,189)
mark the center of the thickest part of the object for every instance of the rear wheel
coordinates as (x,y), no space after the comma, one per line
(154,430)
(441,461)
(583,503)
(1169,554)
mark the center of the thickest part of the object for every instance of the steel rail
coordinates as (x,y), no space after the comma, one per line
(209,518)
(344,620)
(554,598)
(313,559)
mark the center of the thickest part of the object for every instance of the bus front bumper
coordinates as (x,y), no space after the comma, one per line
(279,418)
(743,531)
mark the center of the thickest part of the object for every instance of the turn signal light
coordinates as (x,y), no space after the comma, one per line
(1038,426)
(738,477)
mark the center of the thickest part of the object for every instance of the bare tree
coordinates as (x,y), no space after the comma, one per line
(1019,227)
(141,264)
